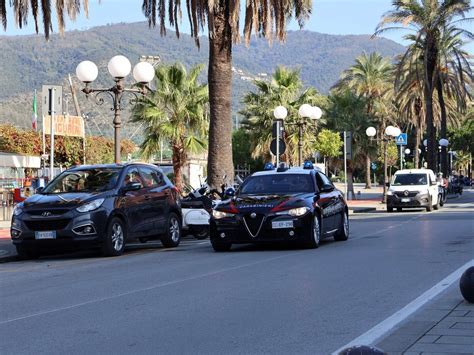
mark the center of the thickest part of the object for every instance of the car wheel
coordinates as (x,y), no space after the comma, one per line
(200,232)
(429,208)
(314,234)
(343,232)
(27,253)
(114,243)
(436,207)
(399,209)
(221,246)
(172,236)
(390,209)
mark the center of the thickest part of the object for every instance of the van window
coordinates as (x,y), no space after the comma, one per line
(410,179)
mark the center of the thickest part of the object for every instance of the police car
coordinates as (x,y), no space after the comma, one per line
(285,204)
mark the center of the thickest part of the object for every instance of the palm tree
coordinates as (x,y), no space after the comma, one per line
(177,112)
(427,18)
(222,18)
(371,78)
(286,89)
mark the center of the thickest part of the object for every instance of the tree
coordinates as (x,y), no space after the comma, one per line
(427,19)
(347,112)
(371,77)
(176,112)
(285,89)
(242,151)
(328,144)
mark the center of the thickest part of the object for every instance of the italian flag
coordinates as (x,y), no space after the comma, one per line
(34,118)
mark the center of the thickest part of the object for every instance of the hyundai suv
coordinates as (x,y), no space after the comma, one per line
(101,206)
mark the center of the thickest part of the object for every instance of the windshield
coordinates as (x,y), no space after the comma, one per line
(277,184)
(410,179)
(87,180)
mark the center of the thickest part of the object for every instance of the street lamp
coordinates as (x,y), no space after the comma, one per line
(119,67)
(389,133)
(443,143)
(305,111)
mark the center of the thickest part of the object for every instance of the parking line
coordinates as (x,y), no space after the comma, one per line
(377,332)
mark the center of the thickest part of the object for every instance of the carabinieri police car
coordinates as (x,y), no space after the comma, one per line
(285,204)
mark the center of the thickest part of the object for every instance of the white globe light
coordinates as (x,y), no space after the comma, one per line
(119,66)
(389,130)
(425,142)
(143,72)
(407,151)
(443,142)
(419,150)
(371,131)
(280,112)
(396,131)
(87,71)
(316,113)
(305,110)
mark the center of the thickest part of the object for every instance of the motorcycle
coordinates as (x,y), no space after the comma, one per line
(196,208)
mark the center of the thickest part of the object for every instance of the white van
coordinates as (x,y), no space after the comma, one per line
(413,188)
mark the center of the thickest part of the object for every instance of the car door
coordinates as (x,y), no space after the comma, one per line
(157,193)
(134,203)
(329,201)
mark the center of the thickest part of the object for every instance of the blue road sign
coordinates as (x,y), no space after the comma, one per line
(402,139)
(373,166)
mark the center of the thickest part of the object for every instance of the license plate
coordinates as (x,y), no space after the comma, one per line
(45,235)
(405,200)
(282,224)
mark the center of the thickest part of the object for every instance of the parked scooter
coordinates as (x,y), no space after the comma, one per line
(196,208)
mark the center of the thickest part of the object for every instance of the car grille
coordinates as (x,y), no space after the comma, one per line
(47,225)
(402,193)
(253,225)
(56,212)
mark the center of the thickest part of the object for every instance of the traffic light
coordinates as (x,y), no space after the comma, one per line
(348,144)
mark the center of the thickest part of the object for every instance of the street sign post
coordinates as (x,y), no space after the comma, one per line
(52,103)
(401,141)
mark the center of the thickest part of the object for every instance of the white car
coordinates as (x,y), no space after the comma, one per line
(413,188)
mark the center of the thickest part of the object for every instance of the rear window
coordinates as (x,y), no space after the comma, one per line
(410,179)
(277,184)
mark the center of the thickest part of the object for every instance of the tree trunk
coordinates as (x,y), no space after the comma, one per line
(431,54)
(368,184)
(178,158)
(443,131)
(350,181)
(416,152)
(219,161)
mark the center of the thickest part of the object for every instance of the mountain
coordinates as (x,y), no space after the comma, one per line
(28,62)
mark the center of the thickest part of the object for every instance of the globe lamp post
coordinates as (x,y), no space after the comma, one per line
(119,67)
(390,133)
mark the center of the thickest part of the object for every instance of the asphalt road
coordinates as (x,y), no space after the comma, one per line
(190,300)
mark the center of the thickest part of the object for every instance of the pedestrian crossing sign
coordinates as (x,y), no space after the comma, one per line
(401,139)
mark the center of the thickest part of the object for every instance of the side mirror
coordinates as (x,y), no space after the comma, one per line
(39,190)
(132,186)
(327,188)
(434,183)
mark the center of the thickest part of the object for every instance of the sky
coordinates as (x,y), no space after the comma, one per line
(329,16)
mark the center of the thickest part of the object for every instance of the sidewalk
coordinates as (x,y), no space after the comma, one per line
(443,326)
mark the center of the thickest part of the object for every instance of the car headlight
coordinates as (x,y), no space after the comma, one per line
(220,214)
(91,206)
(294,212)
(18,210)
(389,193)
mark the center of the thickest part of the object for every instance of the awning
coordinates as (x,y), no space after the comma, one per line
(8,160)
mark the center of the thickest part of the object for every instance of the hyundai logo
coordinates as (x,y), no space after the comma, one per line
(253,215)
(406,193)
(46,214)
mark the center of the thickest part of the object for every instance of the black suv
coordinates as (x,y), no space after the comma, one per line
(99,206)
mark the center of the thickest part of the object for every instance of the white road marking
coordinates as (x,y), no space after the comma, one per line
(370,337)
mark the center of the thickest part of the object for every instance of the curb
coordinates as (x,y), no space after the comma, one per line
(362,209)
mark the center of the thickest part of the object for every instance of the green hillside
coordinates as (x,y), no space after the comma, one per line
(28,62)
